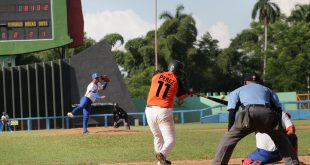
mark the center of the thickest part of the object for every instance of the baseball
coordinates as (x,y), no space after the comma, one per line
(222,97)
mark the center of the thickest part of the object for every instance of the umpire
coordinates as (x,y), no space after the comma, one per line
(261,112)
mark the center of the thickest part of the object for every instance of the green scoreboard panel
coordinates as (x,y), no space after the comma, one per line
(32,25)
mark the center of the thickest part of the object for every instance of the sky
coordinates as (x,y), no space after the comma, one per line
(223,19)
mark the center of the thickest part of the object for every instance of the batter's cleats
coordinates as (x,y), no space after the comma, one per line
(167,162)
(70,114)
(160,157)
(85,132)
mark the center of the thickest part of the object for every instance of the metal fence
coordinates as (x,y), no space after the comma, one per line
(50,120)
(35,91)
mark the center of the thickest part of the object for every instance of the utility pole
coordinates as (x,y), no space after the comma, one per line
(308,88)
(156,67)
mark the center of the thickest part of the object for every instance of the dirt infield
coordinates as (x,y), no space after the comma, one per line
(121,130)
(303,159)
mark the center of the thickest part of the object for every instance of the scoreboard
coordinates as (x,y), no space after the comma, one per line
(34,25)
(22,20)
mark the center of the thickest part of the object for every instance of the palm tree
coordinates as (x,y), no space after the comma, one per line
(113,38)
(301,13)
(178,13)
(267,12)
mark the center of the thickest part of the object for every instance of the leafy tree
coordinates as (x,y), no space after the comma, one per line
(244,53)
(288,55)
(202,63)
(87,42)
(140,83)
(25,59)
(300,13)
(53,54)
(42,56)
(267,12)
(113,38)
(178,14)
(290,60)
(176,35)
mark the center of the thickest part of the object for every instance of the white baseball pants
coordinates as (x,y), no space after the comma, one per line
(161,123)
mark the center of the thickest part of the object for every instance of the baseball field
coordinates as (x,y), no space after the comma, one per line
(196,144)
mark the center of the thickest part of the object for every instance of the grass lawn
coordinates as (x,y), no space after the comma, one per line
(194,142)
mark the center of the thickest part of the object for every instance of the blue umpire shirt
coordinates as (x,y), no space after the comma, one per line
(252,93)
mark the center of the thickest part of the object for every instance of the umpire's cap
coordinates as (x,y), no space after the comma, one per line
(253,77)
(177,67)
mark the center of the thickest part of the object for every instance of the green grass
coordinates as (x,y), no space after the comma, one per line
(194,141)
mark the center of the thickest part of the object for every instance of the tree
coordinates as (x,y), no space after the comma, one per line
(267,12)
(176,35)
(300,13)
(166,15)
(87,42)
(53,54)
(113,38)
(139,84)
(289,62)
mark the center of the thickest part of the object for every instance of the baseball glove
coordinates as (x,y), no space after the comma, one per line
(105,78)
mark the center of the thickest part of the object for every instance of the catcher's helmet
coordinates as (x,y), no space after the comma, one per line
(177,67)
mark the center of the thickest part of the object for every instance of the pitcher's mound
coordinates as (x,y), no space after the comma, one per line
(93,131)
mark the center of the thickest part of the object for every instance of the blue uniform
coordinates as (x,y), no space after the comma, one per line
(266,151)
(252,93)
(85,104)
(90,96)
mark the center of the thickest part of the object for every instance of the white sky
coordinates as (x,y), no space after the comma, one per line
(134,18)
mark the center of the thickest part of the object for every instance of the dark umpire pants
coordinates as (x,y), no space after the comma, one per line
(262,119)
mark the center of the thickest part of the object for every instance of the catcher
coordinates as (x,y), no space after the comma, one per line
(266,151)
(91,95)
(120,116)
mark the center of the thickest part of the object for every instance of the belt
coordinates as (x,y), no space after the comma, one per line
(259,105)
(150,106)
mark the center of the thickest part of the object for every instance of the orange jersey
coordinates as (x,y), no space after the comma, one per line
(163,89)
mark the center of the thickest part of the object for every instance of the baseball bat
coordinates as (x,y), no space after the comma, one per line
(224,102)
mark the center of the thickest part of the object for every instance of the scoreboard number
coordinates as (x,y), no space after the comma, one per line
(26,20)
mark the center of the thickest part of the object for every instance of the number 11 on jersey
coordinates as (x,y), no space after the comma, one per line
(167,87)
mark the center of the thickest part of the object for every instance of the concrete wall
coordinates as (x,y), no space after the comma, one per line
(192,103)
(200,102)
(99,59)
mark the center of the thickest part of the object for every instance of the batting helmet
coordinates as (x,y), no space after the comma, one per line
(288,114)
(177,67)
(115,105)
